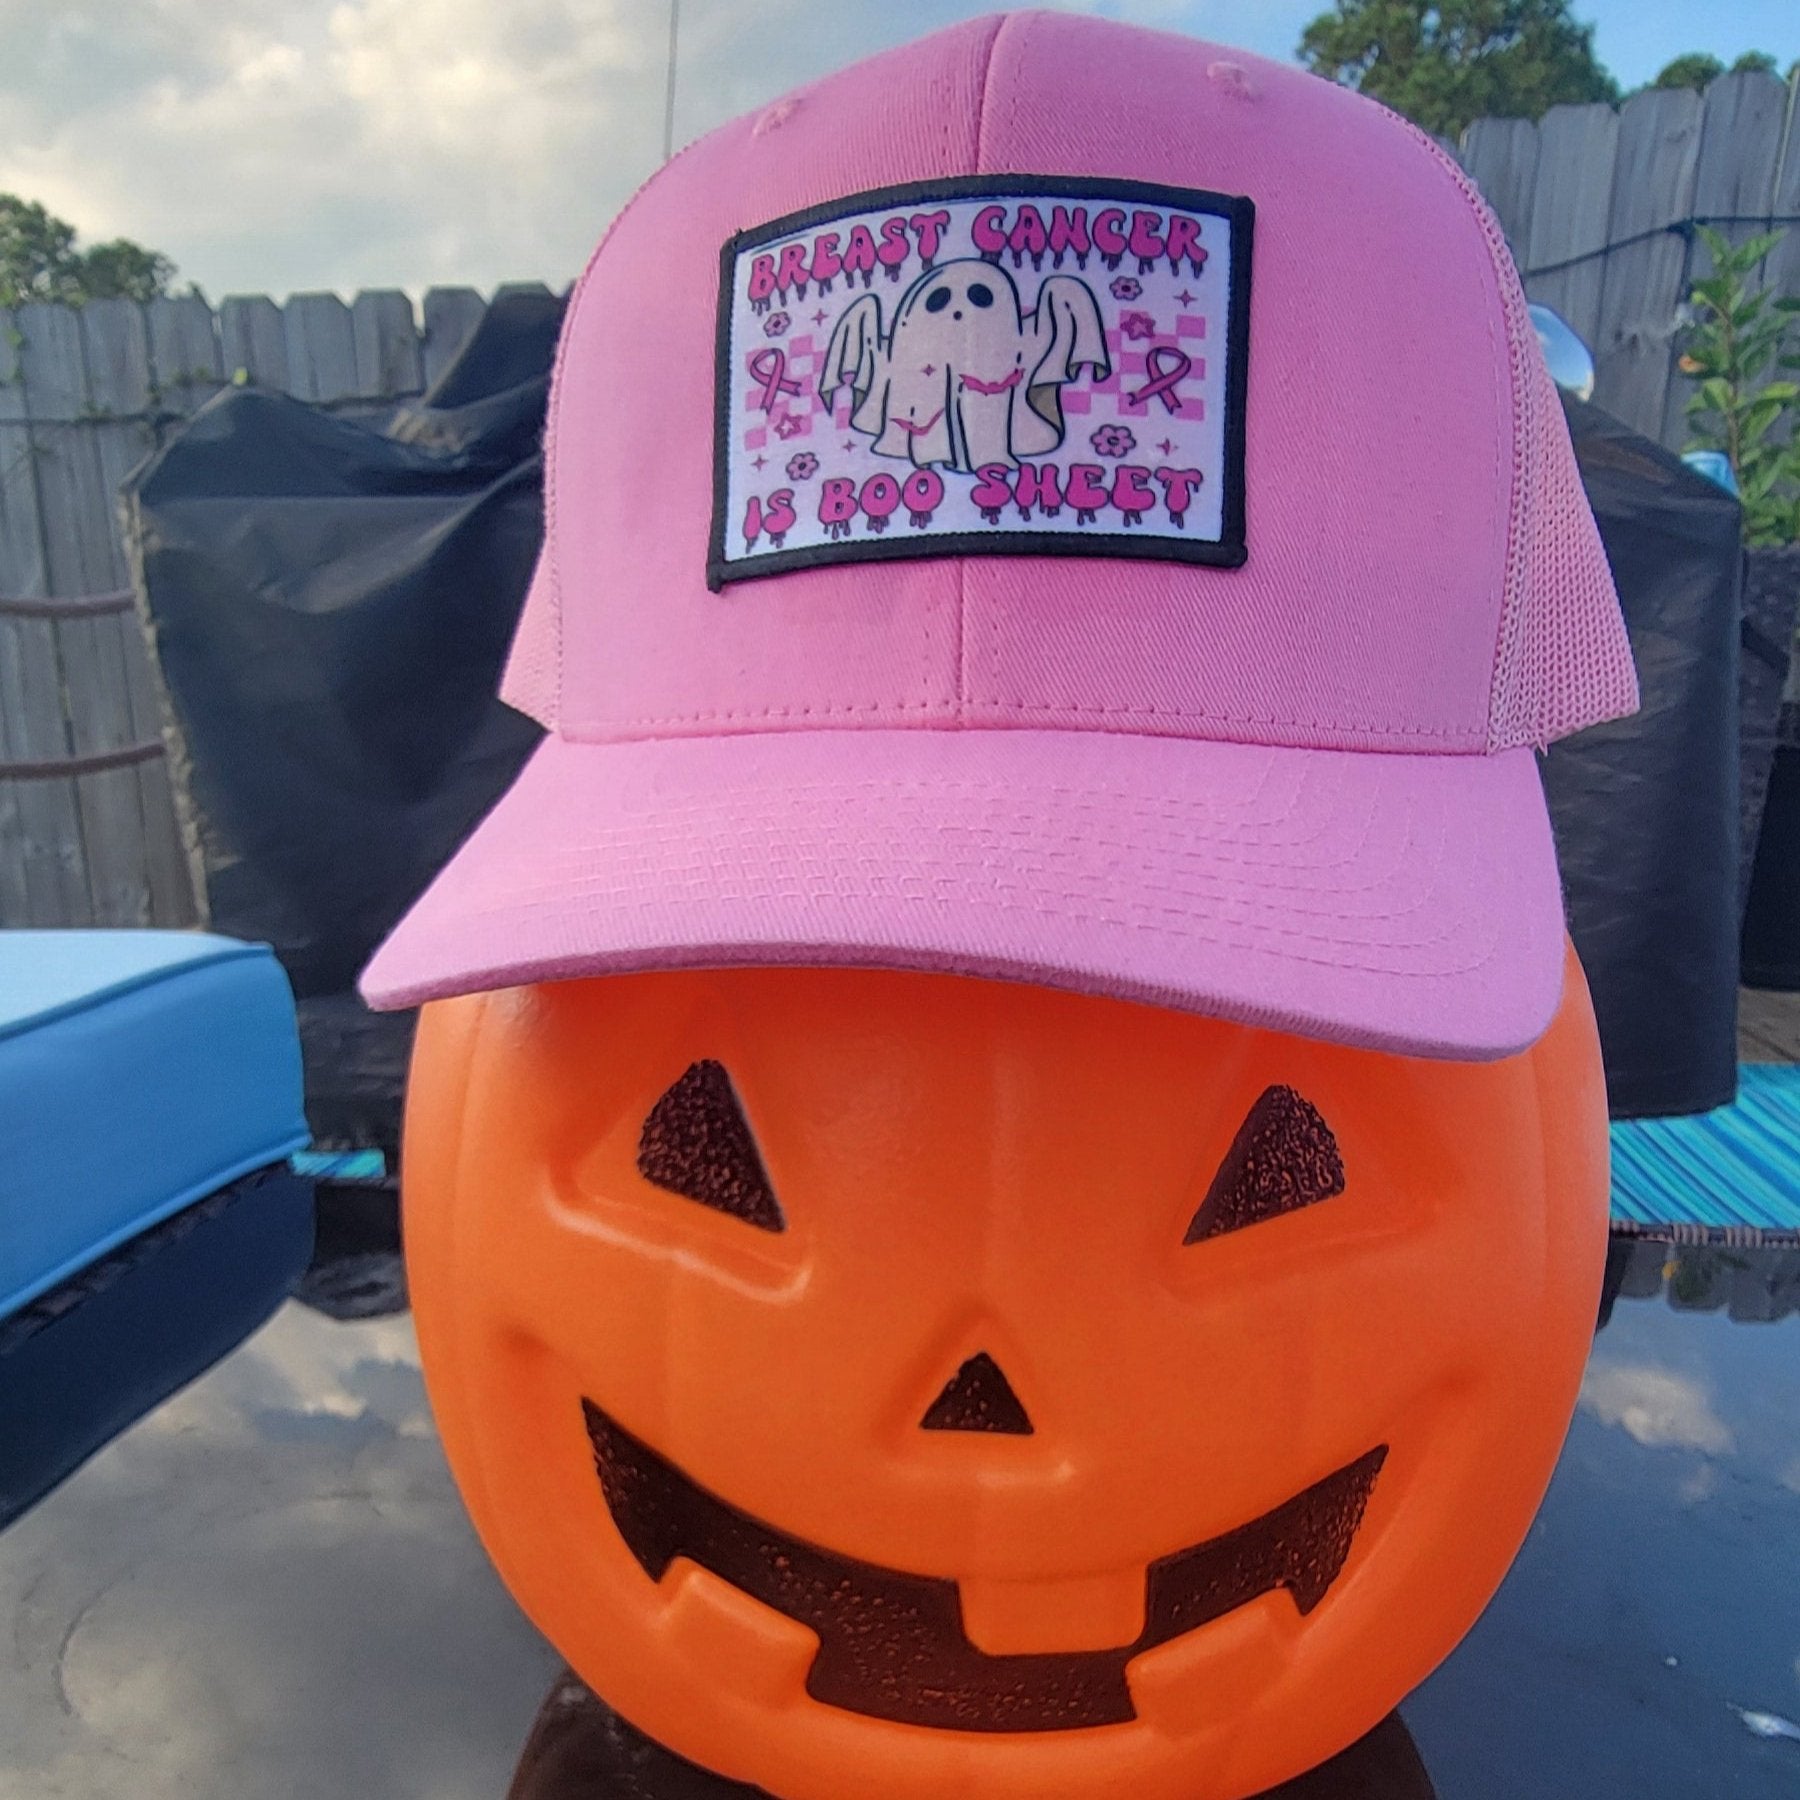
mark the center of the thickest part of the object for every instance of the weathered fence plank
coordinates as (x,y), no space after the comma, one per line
(81,558)
(15,895)
(1746,118)
(122,392)
(1564,260)
(1653,187)
(185,369)
(45,877)
(184,353)
(321,347)
(387,345)
(254,340)
(21,562)
(451,315)
(1501,157)
(1782,270)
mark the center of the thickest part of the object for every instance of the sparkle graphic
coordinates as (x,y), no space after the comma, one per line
(821,316)
(1186,298)
(758,460)
(1166,446)
(931,368)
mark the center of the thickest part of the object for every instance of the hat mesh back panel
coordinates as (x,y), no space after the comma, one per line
(1562,660)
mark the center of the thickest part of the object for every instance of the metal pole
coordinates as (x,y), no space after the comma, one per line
(669,95)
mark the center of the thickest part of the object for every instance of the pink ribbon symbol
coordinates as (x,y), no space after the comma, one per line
(769,366)
(1166,366)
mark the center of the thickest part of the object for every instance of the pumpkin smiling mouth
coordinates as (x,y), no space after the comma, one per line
(892,1645)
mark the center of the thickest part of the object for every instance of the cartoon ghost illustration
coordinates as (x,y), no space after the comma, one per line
(965,376)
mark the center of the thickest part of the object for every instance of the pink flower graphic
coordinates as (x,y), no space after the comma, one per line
(802,466)
(788,425)
(776,324)
(1125,287)
(1137,324)
(1113,440)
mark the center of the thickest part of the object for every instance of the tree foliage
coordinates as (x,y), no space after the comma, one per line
(1443,65)
(1694,71)
(1699,67)
(39,261)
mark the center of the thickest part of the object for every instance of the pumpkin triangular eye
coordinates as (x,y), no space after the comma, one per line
(696,1143)
(1283,1157)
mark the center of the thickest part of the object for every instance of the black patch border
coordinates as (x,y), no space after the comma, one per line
(1228,551)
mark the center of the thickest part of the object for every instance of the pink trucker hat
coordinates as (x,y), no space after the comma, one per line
(1057,502)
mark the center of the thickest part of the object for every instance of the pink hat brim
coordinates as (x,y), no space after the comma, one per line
(1400,902)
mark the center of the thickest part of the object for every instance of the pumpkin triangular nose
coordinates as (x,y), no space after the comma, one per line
(978,1397)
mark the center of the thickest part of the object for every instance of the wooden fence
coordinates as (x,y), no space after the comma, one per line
(89,831)
(1599,207)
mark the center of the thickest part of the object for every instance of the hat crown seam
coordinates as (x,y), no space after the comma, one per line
(977,164)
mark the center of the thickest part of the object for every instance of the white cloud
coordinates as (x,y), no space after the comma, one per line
(1656,1407)
(1699,1484)
(283,145)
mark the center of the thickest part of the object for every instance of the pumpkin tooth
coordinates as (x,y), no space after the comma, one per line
(1234,1661)
(1050,1617)
(718,1625)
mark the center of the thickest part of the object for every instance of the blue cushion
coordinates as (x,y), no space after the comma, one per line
(139,1072)
(100,1351)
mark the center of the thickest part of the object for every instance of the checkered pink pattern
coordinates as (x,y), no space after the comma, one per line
(802,360)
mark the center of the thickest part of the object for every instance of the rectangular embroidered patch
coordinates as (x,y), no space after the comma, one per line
(1026,365)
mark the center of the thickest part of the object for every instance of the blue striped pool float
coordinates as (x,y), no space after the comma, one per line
(1736,1167)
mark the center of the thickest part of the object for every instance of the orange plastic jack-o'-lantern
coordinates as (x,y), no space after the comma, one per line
(901,1385)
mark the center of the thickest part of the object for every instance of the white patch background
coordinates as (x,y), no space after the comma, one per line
(1161,325)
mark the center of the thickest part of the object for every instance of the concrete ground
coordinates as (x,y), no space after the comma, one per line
(266,1589)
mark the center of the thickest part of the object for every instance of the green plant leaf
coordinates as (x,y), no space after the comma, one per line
(1754,249)
(1757,417)
(1747,311)
(1737,352)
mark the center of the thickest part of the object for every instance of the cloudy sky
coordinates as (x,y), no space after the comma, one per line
(275,146)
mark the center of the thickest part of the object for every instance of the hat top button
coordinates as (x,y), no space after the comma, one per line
(1233,77)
